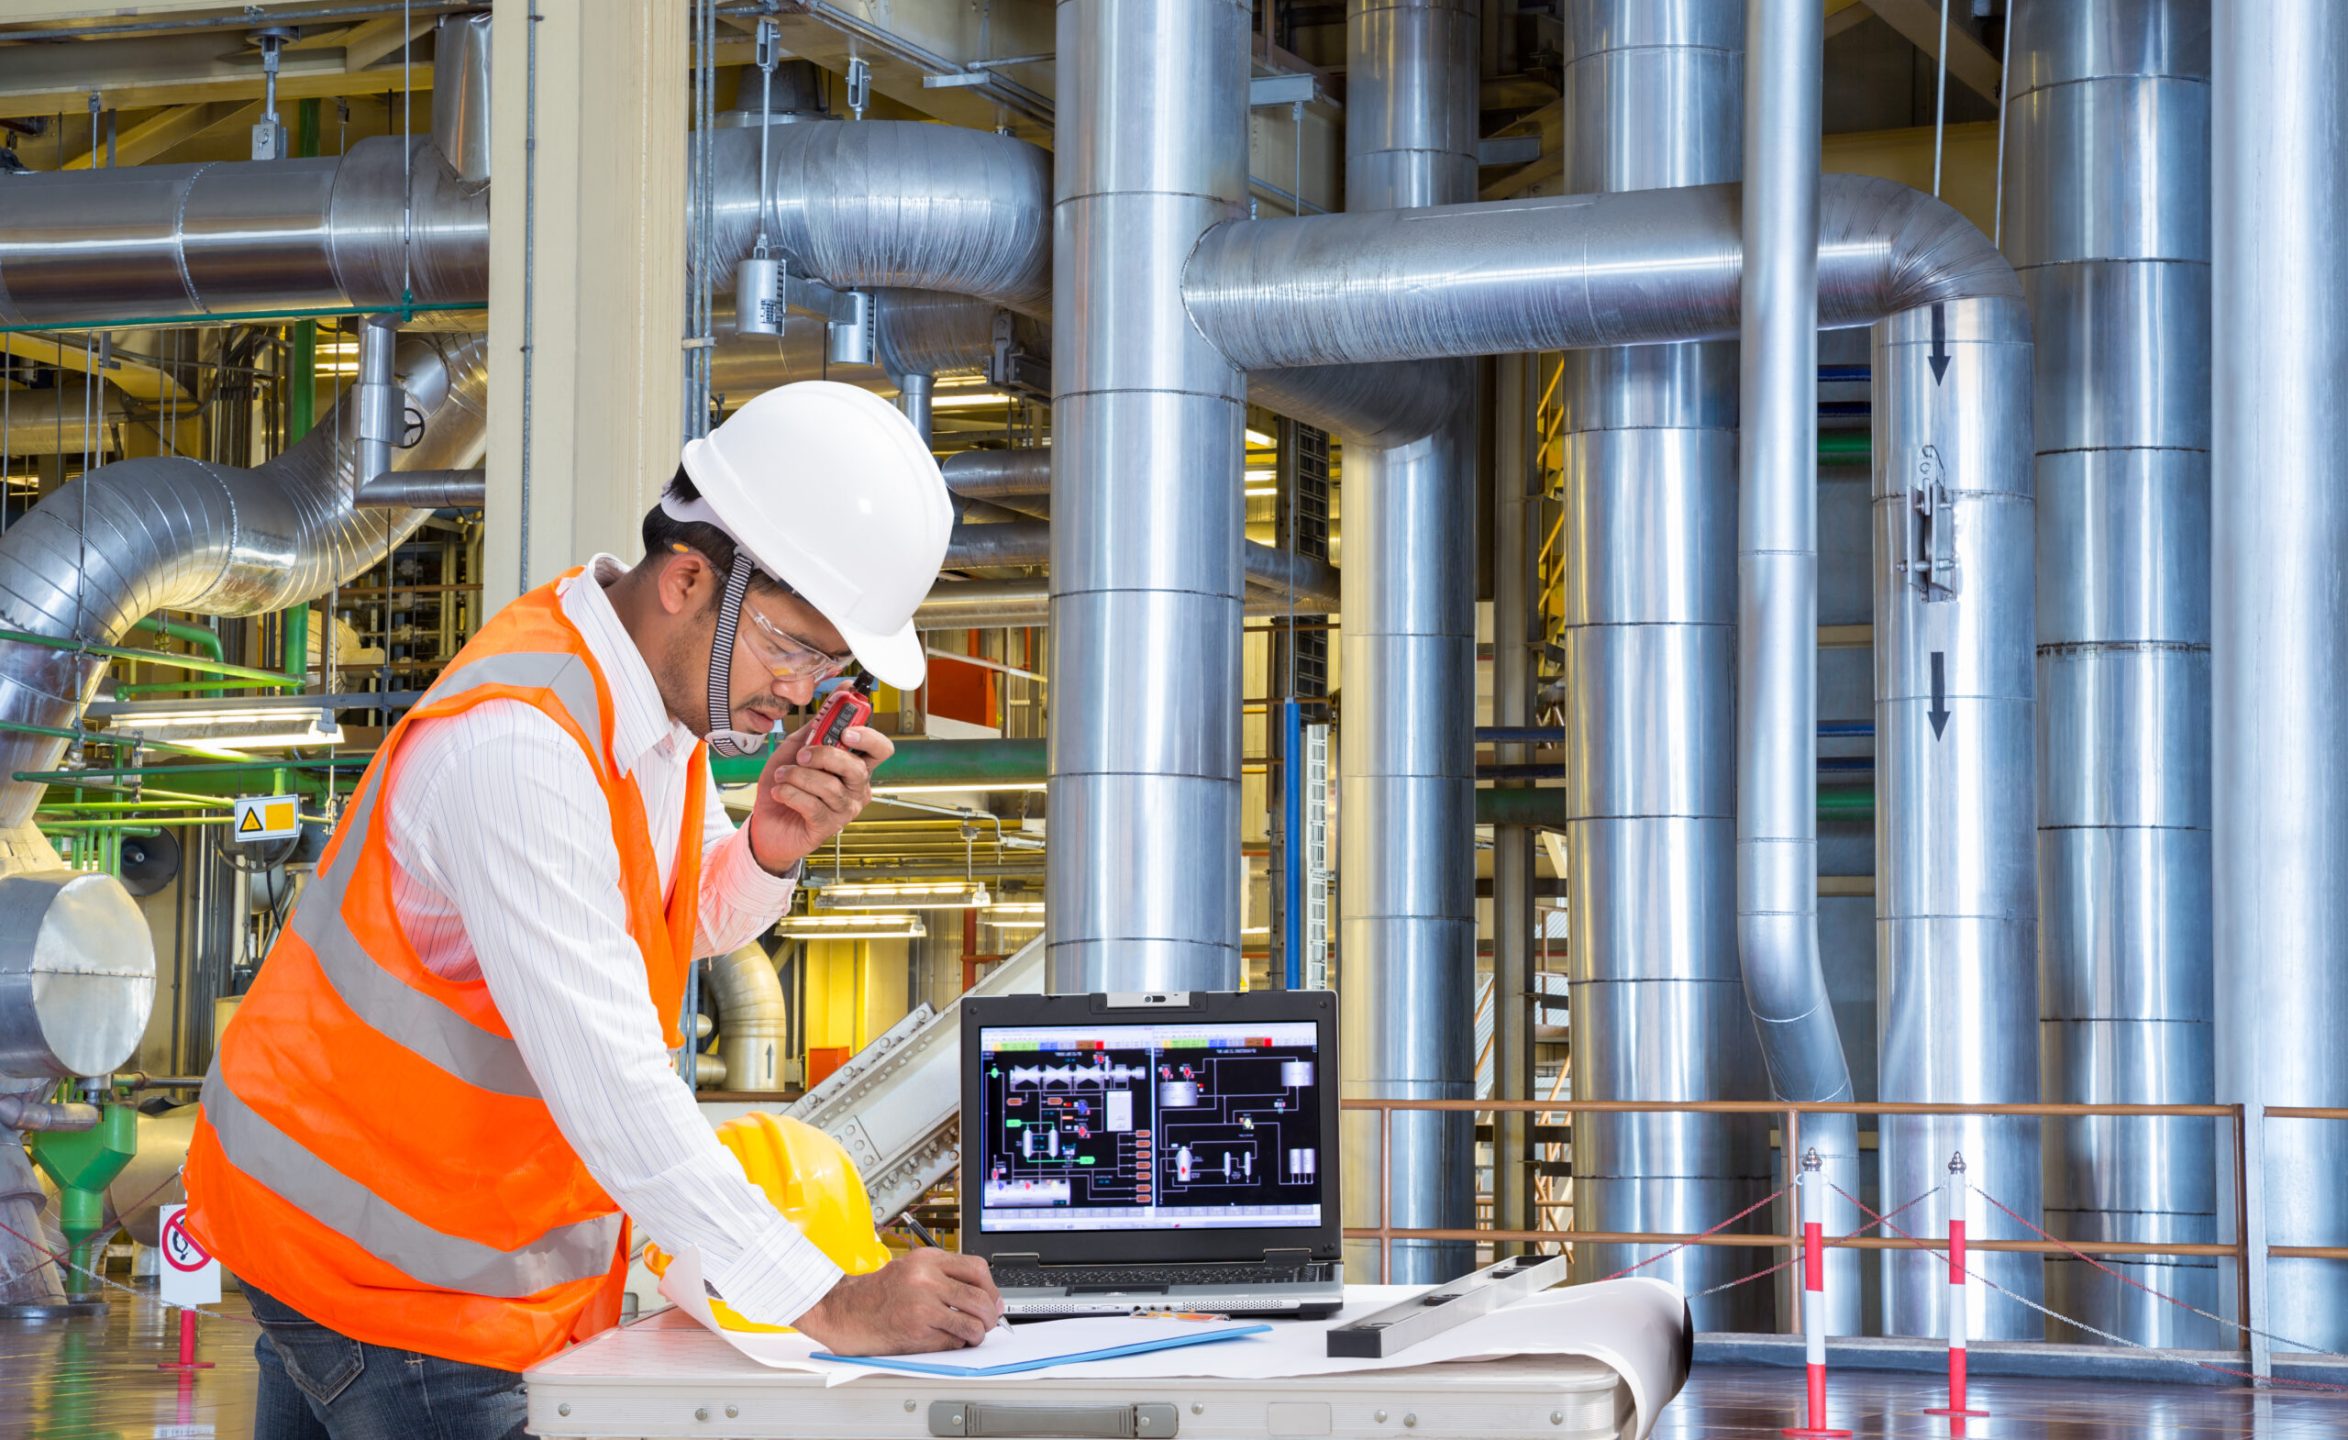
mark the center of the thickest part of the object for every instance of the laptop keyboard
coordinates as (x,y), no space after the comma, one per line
(1107,1277)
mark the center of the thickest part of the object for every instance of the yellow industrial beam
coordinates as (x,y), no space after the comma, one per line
(1968,168)
(162,132)
(1969,62)
(364,44)
(1841,15)
(66,12)
(145,73)
(144,381)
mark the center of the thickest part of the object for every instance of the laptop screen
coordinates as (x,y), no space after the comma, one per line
(1149,1126)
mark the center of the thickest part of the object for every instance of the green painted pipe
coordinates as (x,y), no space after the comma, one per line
(153,657)
(1021,762)
(202,637)
(301,403)
(1546,807)
(406,311)
(927,762)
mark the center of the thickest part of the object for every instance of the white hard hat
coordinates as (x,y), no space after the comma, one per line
(832,492)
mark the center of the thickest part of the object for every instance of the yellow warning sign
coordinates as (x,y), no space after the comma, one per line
(267,817)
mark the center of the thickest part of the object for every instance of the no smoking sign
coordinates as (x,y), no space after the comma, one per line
(189,1275)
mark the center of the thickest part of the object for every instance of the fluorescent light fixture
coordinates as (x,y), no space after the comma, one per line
(851,927)
(968,402)
(227,727)
(1016,922)
(1258,474)
(1016,907)
(1262,492)
(900,895)
(1259,439)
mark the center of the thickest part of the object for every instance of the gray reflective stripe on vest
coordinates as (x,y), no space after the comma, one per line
(400,1012)
(583,1250)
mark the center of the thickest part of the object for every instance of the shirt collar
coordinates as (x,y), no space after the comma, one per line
(640,718)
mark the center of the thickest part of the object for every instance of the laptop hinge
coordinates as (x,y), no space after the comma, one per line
(1287,1259)
(1030,1258)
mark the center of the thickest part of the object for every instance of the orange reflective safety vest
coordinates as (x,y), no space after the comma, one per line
(372,1151)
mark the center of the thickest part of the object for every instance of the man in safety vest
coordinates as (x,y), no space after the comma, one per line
(450,1087)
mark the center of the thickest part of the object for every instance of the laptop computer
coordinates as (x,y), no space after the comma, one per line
(1128,1154)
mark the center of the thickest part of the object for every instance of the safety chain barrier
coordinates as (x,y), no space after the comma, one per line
(2244,1252)
(1956,1258)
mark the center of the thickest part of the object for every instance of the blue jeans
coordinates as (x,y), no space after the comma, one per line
(319,1384)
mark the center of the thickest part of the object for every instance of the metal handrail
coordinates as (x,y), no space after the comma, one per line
(1791,1113)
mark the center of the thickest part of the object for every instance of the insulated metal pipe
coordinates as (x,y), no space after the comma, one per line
(914,391)
(751,1017)
(1777,616)
(2279,626)
(879,204)
(1955,888)
(382,223)
(1406,883)
(1146,584)
(1638,268)
(2107,224)
(1652,96)
(64,419)
(1021,473)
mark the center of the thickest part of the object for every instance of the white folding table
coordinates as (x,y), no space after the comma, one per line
(664,1378)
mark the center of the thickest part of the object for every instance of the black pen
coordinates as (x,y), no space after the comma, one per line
(920,1232)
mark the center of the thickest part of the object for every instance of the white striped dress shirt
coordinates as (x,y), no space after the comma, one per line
(503,869)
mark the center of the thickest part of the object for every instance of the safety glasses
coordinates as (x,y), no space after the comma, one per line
(786,657)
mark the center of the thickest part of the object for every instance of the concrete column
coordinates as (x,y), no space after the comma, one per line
(586,280)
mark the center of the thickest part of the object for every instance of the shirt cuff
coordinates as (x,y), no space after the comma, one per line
(743,885)
(778,1276)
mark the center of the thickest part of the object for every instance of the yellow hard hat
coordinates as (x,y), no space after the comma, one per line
(813,1182)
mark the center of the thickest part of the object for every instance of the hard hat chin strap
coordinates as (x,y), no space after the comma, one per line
(723,738)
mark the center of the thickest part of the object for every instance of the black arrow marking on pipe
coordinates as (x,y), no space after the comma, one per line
(1940,344)
(1940,694)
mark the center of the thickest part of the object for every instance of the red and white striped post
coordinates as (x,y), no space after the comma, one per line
(1958,1317)
(1806,1204)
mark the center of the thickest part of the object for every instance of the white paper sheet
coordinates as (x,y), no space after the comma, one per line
(1634,1327)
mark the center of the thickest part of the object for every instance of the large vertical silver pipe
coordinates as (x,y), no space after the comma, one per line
(1777,612)
(1652,93)
(1955,889)
(2107,224)
(1406,880)
(1146,581)
(2279,619)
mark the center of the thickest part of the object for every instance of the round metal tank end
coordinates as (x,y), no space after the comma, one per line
(77,974)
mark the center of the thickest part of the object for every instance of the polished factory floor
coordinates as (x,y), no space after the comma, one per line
(96,1380)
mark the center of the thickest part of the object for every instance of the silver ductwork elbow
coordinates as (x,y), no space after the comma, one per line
(894,203)
(183,534)
(752,1038)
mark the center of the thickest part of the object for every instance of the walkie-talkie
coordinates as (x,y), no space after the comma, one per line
(850,706)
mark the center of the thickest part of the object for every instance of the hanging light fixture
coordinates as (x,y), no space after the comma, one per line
(900,895)
(899,926)
(226,725)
